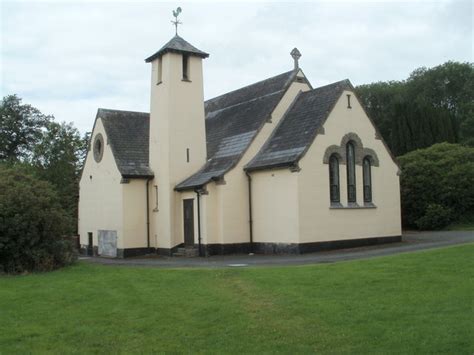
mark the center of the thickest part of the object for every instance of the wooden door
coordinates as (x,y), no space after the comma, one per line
(188,220)
(90,246)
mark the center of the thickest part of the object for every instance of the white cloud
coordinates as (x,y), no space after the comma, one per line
(69,58)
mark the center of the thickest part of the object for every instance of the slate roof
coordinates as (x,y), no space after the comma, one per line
(178,45)
(128,134)
(298,128)
(232,122)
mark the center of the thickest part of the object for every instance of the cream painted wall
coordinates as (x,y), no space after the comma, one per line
(100,201)
(275,206)
(134,214)
(176,124)
(227,206)
(211,217)
(106,203)
(317,221)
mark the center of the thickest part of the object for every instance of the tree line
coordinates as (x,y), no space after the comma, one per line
(49,150)
(431,106)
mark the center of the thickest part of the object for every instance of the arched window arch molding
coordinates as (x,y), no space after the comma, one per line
(354,138)
(371,155)
(334,150)
(360,151)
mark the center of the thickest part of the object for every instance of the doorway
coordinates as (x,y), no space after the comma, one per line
(188,220)
(90,248)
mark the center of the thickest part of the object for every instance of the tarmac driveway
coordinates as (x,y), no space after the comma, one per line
(412,241)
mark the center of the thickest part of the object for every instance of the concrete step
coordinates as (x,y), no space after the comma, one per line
(191,252)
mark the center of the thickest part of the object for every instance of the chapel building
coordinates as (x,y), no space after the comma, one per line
(274,167)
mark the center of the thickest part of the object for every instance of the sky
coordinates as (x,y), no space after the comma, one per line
(68,58)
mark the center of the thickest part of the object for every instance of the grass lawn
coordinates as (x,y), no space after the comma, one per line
(412,303)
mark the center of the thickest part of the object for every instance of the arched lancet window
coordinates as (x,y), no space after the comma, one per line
(367,180)
(334,178)
(351,173)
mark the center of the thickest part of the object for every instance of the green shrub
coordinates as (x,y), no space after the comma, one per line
(434,180)
(33,226)
(435,217)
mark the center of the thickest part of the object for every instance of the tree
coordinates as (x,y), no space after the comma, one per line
(431,106)
(437,185)
(21,127)
(50,150)
(449,87)
(58,158)
(380,100)
(467,122)
(32,224)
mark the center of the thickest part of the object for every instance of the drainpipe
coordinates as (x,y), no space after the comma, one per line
(198,193)
(147,215)
(249,178)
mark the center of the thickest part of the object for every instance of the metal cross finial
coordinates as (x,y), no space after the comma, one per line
(295,53)
(176,22)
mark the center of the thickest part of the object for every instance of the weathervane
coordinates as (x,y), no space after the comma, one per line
(295,53)
(176,22)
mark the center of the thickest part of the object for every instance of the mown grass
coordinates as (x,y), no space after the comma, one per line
(412,303)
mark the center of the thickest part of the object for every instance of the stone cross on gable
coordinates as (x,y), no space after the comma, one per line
(295,53)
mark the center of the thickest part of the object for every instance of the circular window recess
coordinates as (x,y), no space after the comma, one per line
(98,147)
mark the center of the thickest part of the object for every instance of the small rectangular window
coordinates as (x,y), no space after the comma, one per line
(159,71)
(187,155)
(349,101)
(185,67)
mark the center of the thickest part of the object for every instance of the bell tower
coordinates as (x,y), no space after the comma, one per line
(177,144)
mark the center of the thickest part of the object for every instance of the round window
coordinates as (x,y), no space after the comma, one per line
(98,147)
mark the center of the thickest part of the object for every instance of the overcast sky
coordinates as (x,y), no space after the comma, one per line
(68,58)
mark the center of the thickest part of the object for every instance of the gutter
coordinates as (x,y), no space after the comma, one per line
(249,179)
(128,176)
(198,193)
(271,166)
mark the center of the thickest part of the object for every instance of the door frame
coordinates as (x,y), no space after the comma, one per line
(188,223)
(90,244)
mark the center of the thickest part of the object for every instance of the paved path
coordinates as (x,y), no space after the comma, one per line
(412,241)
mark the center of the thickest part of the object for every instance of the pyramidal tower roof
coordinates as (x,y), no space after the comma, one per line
(178,45)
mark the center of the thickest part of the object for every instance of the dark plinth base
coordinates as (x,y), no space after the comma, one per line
(257,248)
(131,252)
(294,248)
